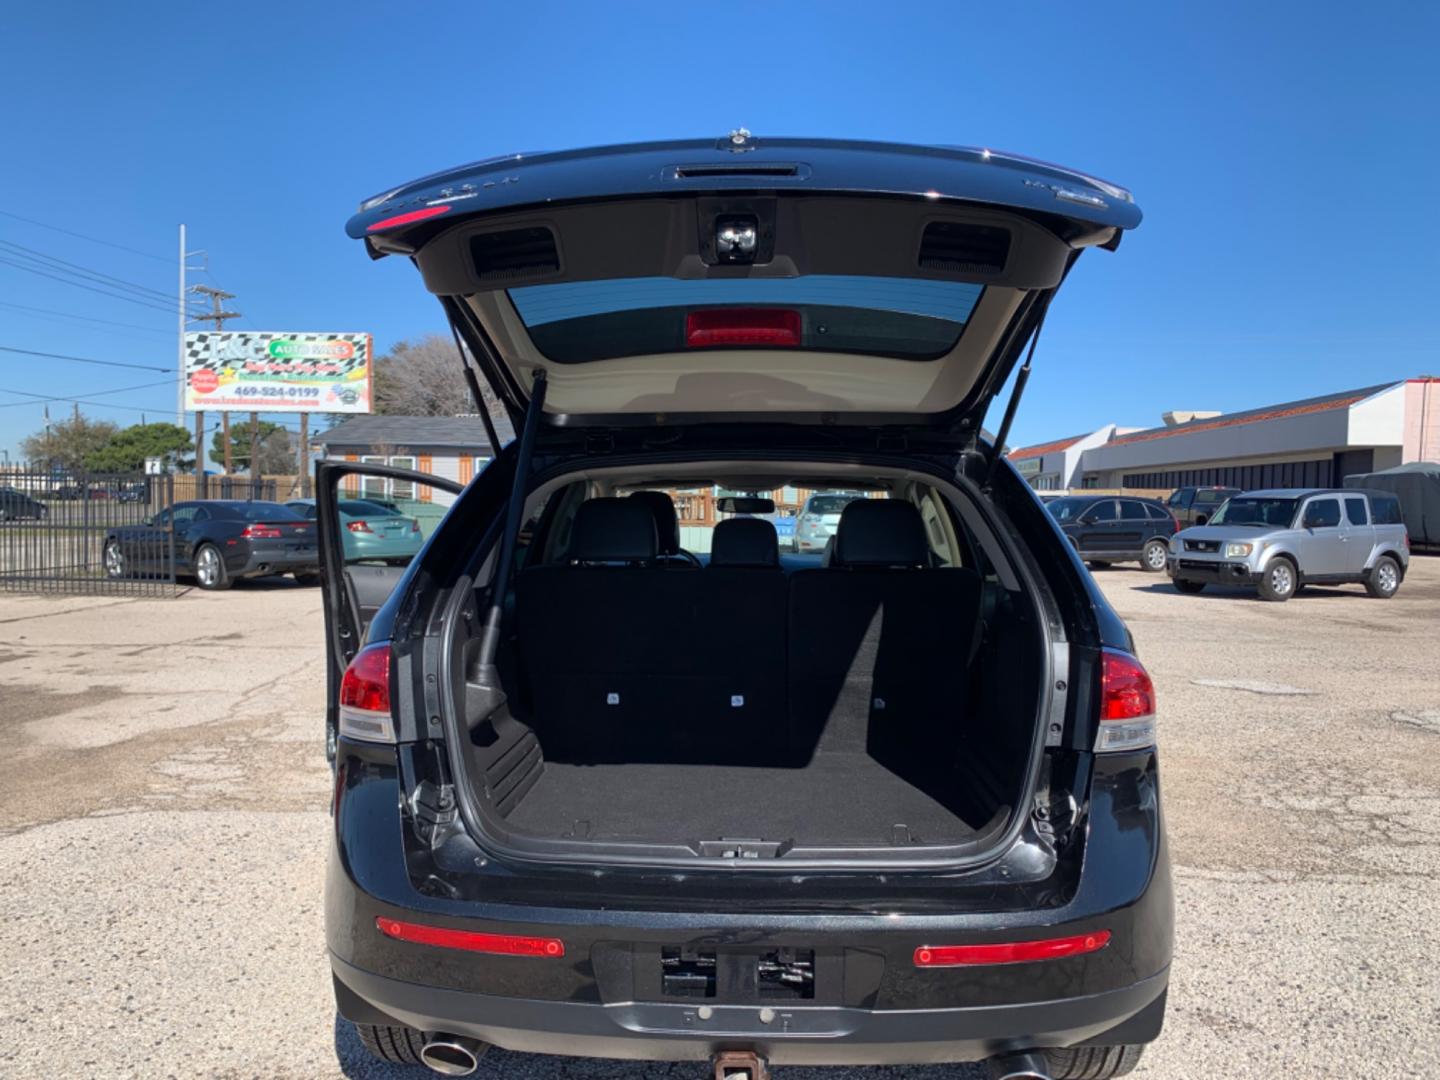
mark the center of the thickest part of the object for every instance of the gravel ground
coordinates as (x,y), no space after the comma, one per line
(162,836)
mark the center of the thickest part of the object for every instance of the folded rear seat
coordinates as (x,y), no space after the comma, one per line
(880,641)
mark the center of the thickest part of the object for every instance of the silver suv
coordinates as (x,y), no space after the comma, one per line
(1282,539)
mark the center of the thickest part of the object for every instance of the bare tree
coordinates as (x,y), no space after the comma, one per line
(424,378)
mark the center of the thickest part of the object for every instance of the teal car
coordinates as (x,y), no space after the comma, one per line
(373,533)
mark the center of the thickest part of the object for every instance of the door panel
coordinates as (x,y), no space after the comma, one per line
(1098,527)
(1323,544)
(1133,527)
(1360,531)
(366,547)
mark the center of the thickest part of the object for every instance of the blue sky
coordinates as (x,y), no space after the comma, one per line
(1285,155)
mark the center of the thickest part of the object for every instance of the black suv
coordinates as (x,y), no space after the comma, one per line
(595,794)
(1107,529)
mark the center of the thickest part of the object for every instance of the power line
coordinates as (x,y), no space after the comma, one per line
(143,302)
(84,318)
(79,400)
(83,236)
(65,266)
(84,359)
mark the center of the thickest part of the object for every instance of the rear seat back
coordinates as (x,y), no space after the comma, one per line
(880,641)
(626,662)
(741,698)
(597,633)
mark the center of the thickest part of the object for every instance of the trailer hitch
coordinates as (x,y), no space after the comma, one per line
(740,1065)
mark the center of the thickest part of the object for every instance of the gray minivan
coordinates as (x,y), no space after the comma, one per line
(1282,539)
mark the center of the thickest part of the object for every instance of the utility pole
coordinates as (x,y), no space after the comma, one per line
(180,340)
(217,314)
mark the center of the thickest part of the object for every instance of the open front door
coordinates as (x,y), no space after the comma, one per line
(373,521)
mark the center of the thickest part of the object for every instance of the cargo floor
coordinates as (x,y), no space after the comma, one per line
(840,799)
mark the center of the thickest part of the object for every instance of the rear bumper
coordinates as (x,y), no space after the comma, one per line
(280,562)
(870,1004)
(792,1036)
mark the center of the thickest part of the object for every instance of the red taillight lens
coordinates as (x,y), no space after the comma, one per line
(414,526)
(1011,952)
(260,532)
(469,940)
(775,327)
(359,526)
(1127,704)
(366,684)
(422,214)
(1126,691)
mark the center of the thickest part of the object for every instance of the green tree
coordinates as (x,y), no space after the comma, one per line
(127,450)
(67,443)
(277,455)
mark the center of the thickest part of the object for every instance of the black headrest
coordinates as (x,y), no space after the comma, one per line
(881,532)
(744,541)
(613,530)
(667,525)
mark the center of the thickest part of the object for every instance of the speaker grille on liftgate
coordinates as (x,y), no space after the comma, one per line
(957,248)
(515,254)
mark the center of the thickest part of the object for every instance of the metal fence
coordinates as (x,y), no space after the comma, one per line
(100,533)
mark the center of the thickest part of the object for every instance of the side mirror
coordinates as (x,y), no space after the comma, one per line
(744,504)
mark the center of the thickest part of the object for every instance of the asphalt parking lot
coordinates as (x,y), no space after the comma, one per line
(162,838)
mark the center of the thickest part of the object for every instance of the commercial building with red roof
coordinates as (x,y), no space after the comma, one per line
(1313,442)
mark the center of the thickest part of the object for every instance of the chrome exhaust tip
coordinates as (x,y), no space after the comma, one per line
(452,1055)
(1031,1065)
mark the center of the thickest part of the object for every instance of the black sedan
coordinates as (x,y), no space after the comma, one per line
(216,541)
(15,505)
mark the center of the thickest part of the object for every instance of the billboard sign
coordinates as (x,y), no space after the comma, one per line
(265,371)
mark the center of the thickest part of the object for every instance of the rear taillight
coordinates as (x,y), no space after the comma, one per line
(1010,952)
(775,327)
(1407,541)
(414,526)
(261,532)
(470,940)
(359,526)
(423,214)
(1127,704)
(365,696)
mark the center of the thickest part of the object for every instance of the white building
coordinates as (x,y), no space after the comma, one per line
(1315,442)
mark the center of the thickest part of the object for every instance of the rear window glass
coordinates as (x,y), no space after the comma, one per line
(1211,496)
(1132,511)
(264,511)
(1355,512)
(1387,510)
(829,504)
(904,318)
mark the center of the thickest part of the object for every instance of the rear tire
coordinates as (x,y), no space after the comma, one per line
(397,1045)
(1279,581)
(210,572)
(1152,559)
(1384,578)
(1190,587)
(1093,1062)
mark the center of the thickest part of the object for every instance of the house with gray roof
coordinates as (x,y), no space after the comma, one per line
(452,447)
